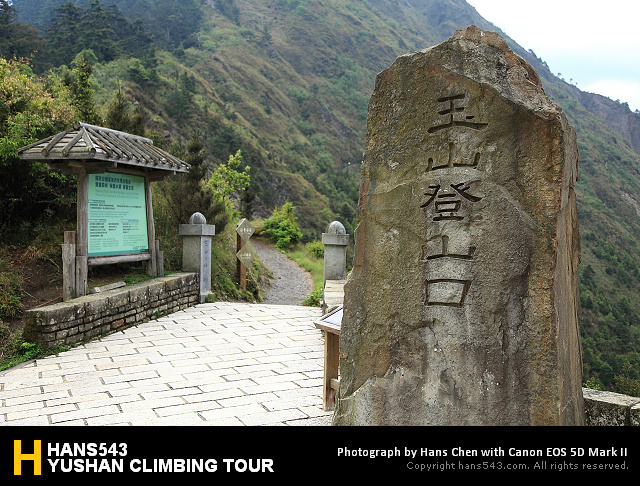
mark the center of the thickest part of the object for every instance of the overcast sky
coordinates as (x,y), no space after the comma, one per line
(594,44)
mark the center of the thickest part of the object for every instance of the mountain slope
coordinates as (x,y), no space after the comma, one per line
(288,83)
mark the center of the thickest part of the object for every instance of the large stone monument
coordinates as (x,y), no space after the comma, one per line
(462,305)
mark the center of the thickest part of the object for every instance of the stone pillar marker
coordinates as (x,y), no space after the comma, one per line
(196,250)
(461,308)
(335,242)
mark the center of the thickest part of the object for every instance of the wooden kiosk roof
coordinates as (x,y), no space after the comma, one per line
(86,150)
(109,149)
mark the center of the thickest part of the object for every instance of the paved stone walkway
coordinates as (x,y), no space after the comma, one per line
(211,364)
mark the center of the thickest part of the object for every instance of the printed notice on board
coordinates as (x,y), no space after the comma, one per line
(117,215)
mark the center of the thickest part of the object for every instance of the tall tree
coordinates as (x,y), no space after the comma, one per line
(82,91)
(98,32)
(63,34)
(104,30)
(184,194)
(16,39)
(30,111)
(8,13)
(179,102)
(119,115)
(177,197)
(79,83)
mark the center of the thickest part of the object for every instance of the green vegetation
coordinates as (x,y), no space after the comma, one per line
(226,179)
(314,299)
(135,277)
(80,86)
(284,84)
(225,283)
(316,248)
(311,259)
(15,350)
(10,292)
(282,227)
(29,110)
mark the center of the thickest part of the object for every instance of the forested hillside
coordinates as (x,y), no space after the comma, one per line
(287,83)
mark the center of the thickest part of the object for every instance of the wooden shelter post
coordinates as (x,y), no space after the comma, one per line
(152,264)
(69,266)
(82,228)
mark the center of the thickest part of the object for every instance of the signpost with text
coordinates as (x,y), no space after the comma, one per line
(244,255)
(117,214)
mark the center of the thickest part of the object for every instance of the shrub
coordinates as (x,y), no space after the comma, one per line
(10,295)
(316,248)
(30,350)
(282,227)
(314,299)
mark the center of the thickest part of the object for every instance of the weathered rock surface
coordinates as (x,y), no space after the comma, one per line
(462,305)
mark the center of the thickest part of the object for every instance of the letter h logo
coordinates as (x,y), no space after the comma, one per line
(18,457)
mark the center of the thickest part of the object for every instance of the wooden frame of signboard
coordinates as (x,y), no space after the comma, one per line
(152,257)
(85,150)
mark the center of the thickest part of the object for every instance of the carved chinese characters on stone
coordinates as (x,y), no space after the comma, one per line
(448,203)
(448,198)
(449,164)
(451,114)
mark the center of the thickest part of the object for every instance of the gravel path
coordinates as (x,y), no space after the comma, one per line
(291,283)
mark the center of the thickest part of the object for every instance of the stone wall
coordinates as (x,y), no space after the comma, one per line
(607,408)
(96,314)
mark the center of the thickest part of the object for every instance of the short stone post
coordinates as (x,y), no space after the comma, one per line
(196,250)
(335,242)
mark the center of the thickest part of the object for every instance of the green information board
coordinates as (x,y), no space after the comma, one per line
(117,215)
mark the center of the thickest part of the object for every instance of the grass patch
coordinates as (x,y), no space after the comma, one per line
(309,261)
(308,257)
(314,299)
(10,295)
(10,290)
(15,350)
(138,277)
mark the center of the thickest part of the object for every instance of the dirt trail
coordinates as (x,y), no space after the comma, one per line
(291,283)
